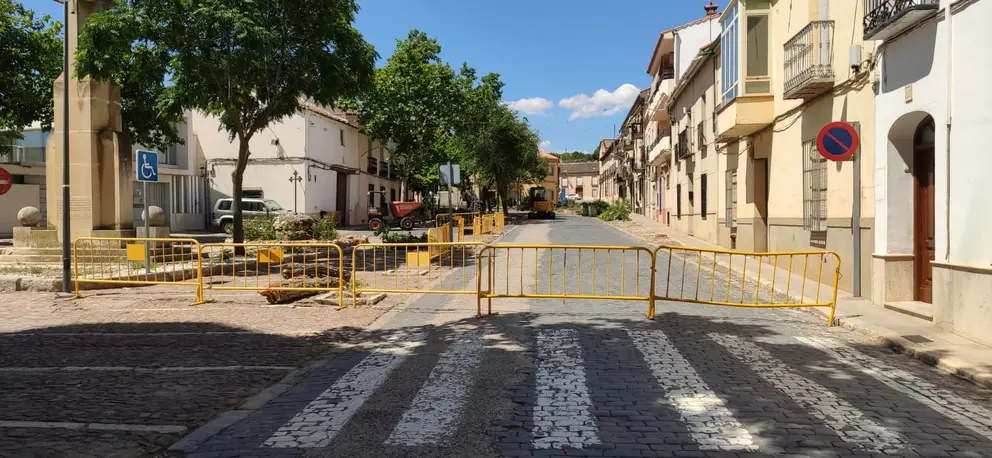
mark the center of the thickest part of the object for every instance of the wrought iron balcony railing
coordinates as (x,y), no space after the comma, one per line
(887,18)
(809,61)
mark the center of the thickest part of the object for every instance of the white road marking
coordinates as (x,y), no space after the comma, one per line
(433,416)
(955,407)
(562,415)
(706,416)
(848,421)
(30,370)
(164,429)
(321,420)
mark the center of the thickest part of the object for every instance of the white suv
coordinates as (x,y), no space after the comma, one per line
(224,211)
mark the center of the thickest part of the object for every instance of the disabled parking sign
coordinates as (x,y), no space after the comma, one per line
(147,166)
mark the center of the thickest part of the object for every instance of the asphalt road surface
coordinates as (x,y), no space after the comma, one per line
(546,377)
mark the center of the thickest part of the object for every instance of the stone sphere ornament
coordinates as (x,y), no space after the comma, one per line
(29,217)
(157,216)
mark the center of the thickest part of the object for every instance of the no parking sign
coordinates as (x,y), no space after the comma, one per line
(837,141)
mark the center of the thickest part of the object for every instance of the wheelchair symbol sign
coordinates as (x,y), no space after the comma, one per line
(147,166)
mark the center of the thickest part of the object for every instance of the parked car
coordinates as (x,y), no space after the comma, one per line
(224,212)
(573,196)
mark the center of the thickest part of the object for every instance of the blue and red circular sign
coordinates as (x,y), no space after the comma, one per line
(837,141)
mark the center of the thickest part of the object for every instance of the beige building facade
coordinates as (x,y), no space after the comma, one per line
(779,80)
(580,179)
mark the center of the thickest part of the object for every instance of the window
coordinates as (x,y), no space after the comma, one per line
(373,166)
(371,196)
(701,135)
(729,54)
(341,136)
(731,201)
(392,194)
(252,194)
(756,54)
(814,188)
(702,192)
(678,201)
(225,205)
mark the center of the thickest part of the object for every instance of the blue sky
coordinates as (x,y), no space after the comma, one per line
(567,64)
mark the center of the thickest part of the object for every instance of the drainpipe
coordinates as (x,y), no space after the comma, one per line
(947,117)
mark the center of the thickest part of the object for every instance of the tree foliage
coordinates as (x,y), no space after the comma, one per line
(413,104)
(31,56)
(576,156)
(249,63)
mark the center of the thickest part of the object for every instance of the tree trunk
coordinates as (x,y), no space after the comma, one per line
(502,191)
(238,176)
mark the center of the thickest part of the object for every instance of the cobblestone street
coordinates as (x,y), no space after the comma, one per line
(547,377)
(126,373)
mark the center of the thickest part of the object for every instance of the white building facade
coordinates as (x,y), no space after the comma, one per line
(932,243)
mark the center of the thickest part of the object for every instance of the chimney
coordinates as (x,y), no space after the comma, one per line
(711,9)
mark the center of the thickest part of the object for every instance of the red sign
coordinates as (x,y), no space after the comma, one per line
(837,141)
(6,181)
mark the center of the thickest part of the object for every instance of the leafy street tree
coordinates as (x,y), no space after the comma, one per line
(248,63)
(31,53)
(575,156)
(414,103)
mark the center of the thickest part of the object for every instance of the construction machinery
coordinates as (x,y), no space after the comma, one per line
(404,215)
(541,206)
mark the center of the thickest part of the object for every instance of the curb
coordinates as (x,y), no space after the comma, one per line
(893,340)
(190,442)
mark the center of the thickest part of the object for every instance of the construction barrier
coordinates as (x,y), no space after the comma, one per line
(280,271)
(132,261)
(622,273)
(682,282)
(442,218)
(415,268)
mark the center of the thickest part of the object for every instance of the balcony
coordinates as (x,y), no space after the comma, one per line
(885,19)
(809,61)
(384,169)
(744,115)
(660,147)
(19,155)
(682,149)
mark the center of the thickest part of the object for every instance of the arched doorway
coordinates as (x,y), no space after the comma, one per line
(924,236)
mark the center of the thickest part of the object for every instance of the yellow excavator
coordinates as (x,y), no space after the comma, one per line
(541,206)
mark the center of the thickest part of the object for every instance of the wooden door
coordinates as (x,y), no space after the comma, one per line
(341,199)
(923,210)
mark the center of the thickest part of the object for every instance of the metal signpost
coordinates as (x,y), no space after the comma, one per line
(147,172)
(839,141)
(295,179)
(451,174)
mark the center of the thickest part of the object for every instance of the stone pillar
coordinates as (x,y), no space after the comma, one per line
(101,167)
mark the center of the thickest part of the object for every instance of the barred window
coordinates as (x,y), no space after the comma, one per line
(730,212)
(701,135)
(814,188)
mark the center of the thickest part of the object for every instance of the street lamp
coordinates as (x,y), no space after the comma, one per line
(295,179)
(66,246)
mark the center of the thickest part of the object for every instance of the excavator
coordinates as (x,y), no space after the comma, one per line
(542,207)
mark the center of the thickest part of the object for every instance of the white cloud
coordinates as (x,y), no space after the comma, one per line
(601,103)
(545,144)
(534,106)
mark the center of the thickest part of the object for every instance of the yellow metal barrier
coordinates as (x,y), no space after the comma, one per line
(133,261)
(684,282)
(276,270)
(410,268)
(442,218)
(567,272)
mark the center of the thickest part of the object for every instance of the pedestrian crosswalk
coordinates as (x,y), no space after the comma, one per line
(565,409)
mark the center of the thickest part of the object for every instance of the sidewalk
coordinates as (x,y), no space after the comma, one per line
(916,337)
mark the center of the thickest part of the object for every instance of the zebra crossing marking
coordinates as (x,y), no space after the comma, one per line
(434,414)
(955,407)
(324,417)
(846,420)
(706,416)
(562,416)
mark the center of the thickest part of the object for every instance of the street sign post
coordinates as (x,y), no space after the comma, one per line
(451,174)
(147,172)
(837,141)
(6,181)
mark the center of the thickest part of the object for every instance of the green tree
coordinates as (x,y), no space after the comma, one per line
(413,104)
(31,53)
(576,156)
(249,63)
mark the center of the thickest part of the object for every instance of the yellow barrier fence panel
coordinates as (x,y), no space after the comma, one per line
(415,268)
(133,261)
(622,273)
(280,271)
(720,277)
(444,217)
